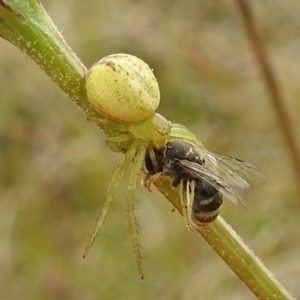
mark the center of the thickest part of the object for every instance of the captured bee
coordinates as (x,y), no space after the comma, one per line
(202,176)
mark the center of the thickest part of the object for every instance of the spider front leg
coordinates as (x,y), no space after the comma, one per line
(127,160)
(190,196)
(180,132)
(186,190)
(137,168)
(183,199)
(108,123)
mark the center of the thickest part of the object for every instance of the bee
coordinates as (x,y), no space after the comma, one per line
(203,178)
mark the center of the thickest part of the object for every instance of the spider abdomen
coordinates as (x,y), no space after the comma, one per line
(122,88)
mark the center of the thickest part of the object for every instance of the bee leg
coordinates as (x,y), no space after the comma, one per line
(128,157)
(149,179)
(134,176)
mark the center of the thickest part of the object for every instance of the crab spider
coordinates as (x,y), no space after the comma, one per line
(124,91)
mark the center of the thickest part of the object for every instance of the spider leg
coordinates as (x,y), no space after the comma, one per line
(190,194)
(134,176)
(180,132)
(183,199)
(116,143)
(153,174)
(120,138)
(103,121)
(186,199)
(123,166)
(152,157)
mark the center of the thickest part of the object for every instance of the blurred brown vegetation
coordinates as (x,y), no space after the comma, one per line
(54,166)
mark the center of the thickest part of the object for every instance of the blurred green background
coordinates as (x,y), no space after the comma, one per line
(55,167)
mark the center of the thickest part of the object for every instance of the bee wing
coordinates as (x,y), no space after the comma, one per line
(200,172)
(233,170)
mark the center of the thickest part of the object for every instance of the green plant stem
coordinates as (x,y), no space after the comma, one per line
(237,255)
(28,27)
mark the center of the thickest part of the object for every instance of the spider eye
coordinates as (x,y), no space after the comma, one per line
(122,88)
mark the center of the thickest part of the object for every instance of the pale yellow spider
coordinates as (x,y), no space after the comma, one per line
(124,90)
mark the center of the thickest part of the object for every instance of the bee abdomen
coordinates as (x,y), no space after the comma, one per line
(205,210)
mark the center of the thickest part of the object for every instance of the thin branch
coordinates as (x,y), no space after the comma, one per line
(232,249)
